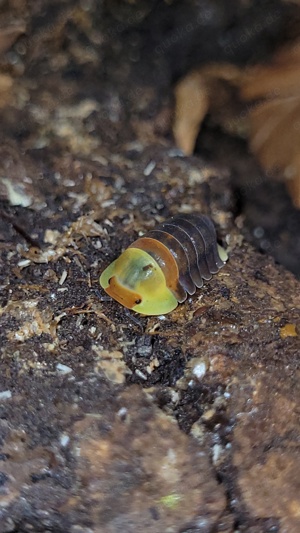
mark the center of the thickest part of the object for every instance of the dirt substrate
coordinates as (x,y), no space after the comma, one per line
(109,421)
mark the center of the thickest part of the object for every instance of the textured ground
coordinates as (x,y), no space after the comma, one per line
(111,422)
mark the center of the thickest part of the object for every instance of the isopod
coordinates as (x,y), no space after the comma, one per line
(159,270)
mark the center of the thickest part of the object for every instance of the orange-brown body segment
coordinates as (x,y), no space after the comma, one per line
(124,296)
(166,261)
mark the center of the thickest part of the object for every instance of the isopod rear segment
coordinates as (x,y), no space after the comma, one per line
(168,263)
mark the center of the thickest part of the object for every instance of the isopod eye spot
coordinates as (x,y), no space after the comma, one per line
(147,267)
(138,301)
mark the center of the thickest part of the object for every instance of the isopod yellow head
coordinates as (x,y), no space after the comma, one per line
(136,281)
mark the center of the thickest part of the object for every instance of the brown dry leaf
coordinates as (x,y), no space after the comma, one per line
(272,122)
(275,119)
(192,103)
(197,93)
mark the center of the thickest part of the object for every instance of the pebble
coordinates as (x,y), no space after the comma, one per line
(63,369)
(5,395)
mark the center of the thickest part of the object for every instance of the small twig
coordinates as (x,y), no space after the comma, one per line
(80,310)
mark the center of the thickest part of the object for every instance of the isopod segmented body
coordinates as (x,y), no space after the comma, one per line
(169,262)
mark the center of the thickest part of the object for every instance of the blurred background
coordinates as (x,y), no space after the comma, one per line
(121,61)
